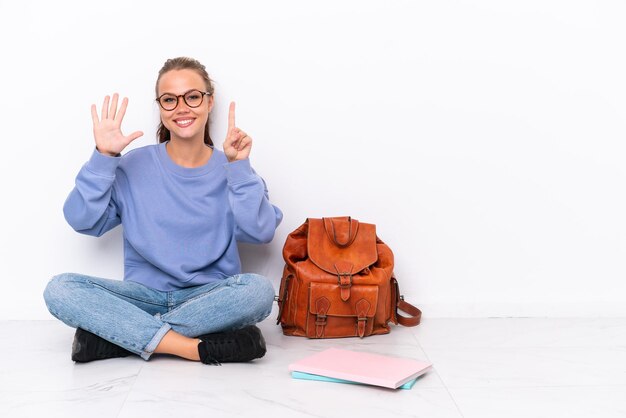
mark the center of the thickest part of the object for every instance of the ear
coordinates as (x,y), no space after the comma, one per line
(211,102)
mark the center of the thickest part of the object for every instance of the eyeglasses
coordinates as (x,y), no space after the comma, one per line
(193,98)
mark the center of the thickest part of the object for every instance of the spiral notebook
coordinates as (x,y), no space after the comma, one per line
(361,367)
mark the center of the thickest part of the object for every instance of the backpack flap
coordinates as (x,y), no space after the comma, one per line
(330,316)
(341,246)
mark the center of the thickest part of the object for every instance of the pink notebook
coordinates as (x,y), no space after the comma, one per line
(368,368)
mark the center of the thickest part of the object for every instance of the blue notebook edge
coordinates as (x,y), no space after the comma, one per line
(309,376)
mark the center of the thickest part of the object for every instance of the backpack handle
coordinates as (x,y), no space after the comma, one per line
(341,230)
(415,315)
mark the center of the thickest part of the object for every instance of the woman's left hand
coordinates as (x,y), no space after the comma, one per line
(237,144)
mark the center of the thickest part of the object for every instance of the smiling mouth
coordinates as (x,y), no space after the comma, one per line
(183,123)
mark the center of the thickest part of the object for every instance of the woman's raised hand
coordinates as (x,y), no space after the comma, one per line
(107,129)
(237,144)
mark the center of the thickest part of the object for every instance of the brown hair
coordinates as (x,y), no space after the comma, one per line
(184,63)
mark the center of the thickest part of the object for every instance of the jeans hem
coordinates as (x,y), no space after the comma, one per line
(152,345)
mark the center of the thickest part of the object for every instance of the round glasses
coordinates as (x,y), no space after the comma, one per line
(193,98)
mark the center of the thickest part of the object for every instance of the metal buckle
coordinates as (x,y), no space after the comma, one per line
(339,275)
(321,319)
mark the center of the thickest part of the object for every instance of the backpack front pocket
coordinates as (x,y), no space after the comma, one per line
(331,317)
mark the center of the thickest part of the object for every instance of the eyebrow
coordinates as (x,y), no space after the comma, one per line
(173,94)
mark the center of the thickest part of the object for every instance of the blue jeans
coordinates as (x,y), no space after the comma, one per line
(137,317)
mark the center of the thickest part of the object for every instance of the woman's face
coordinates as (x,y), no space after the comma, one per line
(184,122)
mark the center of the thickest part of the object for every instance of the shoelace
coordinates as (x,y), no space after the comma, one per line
(214,350)
(242,346)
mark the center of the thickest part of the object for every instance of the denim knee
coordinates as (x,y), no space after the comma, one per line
(52,291)
(256,296)
(56,292)
(261,292)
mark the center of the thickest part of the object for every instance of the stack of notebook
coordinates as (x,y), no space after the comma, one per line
(345,366)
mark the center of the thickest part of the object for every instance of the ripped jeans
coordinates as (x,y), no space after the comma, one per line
(137,317)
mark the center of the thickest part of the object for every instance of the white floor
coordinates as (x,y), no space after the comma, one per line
(482,368)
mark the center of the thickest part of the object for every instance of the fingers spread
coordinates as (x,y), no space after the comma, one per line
(134,136)
(94,115)
(105,108)
(122,112)
(113,109)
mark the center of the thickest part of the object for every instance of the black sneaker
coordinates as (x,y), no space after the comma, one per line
(232,346)
(88,347)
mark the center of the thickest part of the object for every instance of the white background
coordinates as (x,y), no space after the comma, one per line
(485,139)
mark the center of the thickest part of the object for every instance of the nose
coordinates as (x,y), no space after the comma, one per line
(182,106)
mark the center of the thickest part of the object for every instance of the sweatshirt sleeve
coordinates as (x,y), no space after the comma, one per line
(256,218)
(90,207)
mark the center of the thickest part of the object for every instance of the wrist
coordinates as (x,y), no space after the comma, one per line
(108,153)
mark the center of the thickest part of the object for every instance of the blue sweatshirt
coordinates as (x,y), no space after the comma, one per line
(181,225)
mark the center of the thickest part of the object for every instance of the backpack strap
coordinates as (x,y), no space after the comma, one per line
(282,299)
(415,314)
(414,319)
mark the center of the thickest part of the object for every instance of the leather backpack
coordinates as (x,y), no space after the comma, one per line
(338,281)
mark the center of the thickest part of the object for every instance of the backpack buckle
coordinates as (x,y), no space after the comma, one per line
(344,279)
